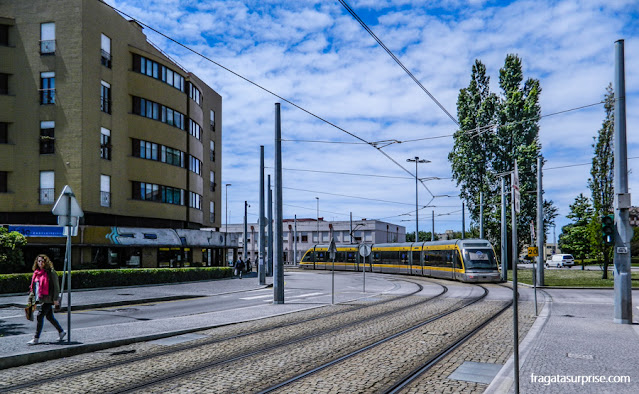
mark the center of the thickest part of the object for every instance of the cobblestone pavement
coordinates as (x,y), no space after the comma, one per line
(493,344)
(123,373)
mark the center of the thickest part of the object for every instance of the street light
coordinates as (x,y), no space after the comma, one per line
(318,233)
(226,226)
(417,160)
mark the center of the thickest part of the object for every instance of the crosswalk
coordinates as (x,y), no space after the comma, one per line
(287,294)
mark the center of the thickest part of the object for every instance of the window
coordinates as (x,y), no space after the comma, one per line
(151,110)
(195,200)
(212,179)
(195,129)
(153,151)
(4,132)
(155,70)
(106,51)
(195,165)
(47,87)
(152,192)
(47,137)
(3,181)
(212,150)
(47,38)
(4,35)
(47,187)
(105,97)
(4,83)
(105,143)
(195,94)
(212,211)
(212,120)
(105,190)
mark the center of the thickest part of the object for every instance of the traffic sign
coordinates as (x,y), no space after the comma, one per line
(67,208)
(364,250)
(533,251)
(332,249)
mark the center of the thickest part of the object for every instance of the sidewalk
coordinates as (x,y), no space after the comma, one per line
(15,352)
(574,343)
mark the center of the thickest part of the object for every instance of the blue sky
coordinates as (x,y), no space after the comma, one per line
(316,55)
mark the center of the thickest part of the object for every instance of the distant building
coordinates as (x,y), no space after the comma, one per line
(364,231)
(87,101)
(634,216)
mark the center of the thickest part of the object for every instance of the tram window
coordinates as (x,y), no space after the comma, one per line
(416,257)
(377,257)
(350,257)
(403,256)
(390,257)
(308,257)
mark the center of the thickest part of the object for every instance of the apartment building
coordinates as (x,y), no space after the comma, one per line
(87,101)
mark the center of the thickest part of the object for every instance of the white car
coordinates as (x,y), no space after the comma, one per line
(561,260)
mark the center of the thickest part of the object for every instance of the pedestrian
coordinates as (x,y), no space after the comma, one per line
(45,288)
(249,268)
(240,267)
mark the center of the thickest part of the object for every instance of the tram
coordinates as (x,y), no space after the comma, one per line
(465,260)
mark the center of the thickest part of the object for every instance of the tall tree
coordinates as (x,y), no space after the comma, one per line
(477,157)
(574,236)
(474,143)
(601,179)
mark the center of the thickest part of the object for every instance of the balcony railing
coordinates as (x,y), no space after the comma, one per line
(105,58)
(47,47)
(47,196)
(105,199)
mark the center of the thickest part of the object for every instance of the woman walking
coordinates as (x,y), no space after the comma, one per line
(45,288)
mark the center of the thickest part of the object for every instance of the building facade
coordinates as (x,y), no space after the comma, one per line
(313,231)
(87,101)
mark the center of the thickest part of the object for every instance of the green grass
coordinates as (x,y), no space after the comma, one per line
(573,277)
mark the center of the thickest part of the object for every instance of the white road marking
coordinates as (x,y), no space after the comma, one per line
(306,295)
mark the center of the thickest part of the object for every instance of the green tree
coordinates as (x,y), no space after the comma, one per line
(11,258)
(601,179)
(476,158)
(574,237)
(423,236)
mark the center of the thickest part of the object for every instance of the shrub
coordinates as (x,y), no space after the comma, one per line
(88,279)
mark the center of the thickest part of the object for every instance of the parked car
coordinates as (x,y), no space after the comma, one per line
(561,260)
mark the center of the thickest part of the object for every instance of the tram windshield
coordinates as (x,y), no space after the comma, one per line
(479,259)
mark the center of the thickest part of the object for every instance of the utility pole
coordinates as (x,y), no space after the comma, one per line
(226,226)
(432,233)
(463,222)
(417,160)
(481,214)
(295,240)
(269,210)
(261,272)
(541,234)
(278,275)
(623,232)
(245,231)
(319,239)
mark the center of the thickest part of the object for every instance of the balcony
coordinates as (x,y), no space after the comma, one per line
(47,196)
(47,47)
(105,199)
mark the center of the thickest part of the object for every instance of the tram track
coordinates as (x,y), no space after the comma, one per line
(132,359)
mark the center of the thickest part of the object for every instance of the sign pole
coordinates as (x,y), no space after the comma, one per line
(515,257)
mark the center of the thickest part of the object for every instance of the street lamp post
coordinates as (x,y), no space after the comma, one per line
(417,160)
(226,226)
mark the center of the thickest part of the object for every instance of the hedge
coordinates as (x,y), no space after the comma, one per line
(88,279)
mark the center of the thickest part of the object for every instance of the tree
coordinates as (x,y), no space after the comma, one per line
(11,258)
(423,236)
(601,180)
(476,158)
(574,236)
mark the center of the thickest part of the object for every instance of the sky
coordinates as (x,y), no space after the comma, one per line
(315,55)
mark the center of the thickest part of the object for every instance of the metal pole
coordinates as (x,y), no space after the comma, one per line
(432,233)
(245,231)
(463,235)
(278,274)
(623,231)
(504,246)
(481,214)
(416,207)
(295,240)
(261,273)
(319,239)
(269,210)
(226,220)
(68,254)
(541,234)
(515,300)
(351,228)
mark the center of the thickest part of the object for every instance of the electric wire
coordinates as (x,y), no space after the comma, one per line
(358,174)
(390,53)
